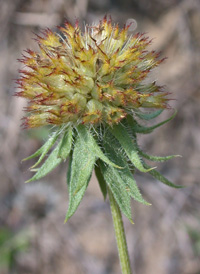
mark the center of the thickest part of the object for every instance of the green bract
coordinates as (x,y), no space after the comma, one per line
(112,151)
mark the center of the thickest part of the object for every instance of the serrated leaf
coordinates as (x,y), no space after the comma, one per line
(129,147)
(125,173)
(101,181)
(118,188)
(43,149)
(84,133)
(157,175)
(137,128)
(51,162)
(66,144)
(83,160)
(149,116)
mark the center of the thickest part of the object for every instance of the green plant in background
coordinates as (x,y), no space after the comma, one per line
(90,87)
(194,234)
(11,245)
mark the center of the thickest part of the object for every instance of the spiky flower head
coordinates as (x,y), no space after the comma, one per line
(92,77)
(91,86)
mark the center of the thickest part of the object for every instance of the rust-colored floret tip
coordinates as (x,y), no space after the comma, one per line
(90,78)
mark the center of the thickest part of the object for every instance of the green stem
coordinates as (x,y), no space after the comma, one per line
(120,235)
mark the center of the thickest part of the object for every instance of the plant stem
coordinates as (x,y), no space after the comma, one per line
(120,235)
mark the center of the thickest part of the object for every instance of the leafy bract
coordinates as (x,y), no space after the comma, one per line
(91,144)
(83,160)
(60,153)
(51,162)
(137,128)
(157,175)
(117,187)
(44,149)
(157,158)
(115,154)
(129,147)
(69,168)
(66,144)
(149,116)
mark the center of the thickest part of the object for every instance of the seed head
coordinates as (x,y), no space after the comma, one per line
(92,77)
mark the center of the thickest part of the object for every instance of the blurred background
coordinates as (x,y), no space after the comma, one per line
(165,238)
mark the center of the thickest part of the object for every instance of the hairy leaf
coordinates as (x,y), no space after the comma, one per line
(43,150)
(66,144)
(149,116)
(129,147)
(157,175)
(151,157)
(84,133)
(117,187)
(83,160)
(125,173)
(157,158)
(69,169)
(137,128)
(51,162)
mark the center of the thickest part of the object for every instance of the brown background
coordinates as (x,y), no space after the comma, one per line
(165,238)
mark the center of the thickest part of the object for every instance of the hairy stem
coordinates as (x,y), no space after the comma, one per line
(120,235)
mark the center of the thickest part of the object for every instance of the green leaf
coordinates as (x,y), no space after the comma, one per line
(66,144)
(137,128)
(156,158)
(149,116)
(83,161)
(69,169)
(157,175)
(51,162)
(84,133)
(44,149)
(125,173)
(129,147)
(153,158)
(118,188)
(101,180)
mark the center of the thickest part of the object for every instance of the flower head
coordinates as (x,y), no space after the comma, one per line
(92,77)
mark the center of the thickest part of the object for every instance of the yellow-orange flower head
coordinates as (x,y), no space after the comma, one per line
(90,78)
